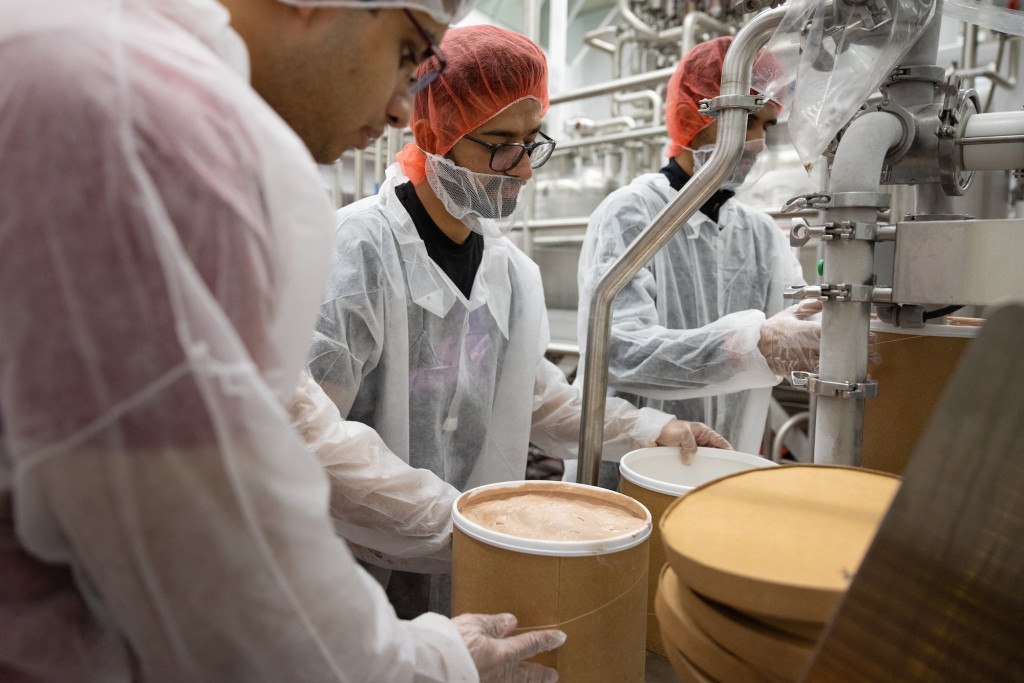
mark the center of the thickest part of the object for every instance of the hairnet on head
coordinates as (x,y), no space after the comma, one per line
(489,69)
(442,11)
(698,77)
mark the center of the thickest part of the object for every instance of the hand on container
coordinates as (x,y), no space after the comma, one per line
(499,656)
(687,436)
(790,342)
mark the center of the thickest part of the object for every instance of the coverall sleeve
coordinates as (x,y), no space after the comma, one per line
(557,413)
(152,455)
(350,333)
(400,514)
(646,357)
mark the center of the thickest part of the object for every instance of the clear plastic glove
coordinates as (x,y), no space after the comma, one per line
(789,342)
(498,656)
(688,435)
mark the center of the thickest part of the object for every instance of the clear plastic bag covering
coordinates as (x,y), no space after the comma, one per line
(443,11)
(838,55)
(163,242)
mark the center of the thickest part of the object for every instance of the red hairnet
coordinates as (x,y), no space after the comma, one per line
(489,69)
(697,77)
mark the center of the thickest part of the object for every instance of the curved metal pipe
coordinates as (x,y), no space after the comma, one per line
(785,429)
(636,23)
(649,95)
(635,81)
(732,126)
(696,20)
(595,39)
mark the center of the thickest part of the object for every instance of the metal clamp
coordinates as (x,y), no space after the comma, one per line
(957,107)
(820,387)
(840,200)
(836,230)
(923,72)
(816,201)
(803,292)
(711,107)
(838,292)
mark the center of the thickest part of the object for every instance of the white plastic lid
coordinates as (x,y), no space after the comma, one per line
(661,470)
(533,546)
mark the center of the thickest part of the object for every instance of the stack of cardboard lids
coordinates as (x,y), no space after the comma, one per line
(757,563)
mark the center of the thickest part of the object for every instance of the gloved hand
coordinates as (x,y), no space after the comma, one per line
(789,342)
(498,656)
(689,435)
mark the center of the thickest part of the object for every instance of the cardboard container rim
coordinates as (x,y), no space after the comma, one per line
(532,546)
(669,488)
(963,331)
(744,592)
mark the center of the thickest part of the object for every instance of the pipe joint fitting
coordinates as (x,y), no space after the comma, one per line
(715,105)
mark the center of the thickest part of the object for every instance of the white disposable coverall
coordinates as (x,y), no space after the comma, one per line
(459,387)
(685,328)
(163,245)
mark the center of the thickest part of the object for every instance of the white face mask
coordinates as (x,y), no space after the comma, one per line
(485,203)
(741,174)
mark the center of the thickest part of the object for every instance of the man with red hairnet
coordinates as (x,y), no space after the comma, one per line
(700,331)
(433,327)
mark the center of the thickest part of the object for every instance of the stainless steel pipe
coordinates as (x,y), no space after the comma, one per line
(732,126)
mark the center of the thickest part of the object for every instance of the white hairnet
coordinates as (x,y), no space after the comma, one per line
(443,11)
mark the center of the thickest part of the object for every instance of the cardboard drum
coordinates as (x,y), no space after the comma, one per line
(558,555)
(656,477)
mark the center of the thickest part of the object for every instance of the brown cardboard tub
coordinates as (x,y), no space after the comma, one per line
(593,590)
(678,630)
(656,477)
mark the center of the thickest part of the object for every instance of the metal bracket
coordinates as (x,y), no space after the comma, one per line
(840,200)
(711,107)
(820,387)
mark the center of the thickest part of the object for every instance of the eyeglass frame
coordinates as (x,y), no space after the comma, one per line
(526,148)
(435,51)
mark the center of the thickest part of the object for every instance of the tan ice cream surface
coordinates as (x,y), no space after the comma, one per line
(554,516)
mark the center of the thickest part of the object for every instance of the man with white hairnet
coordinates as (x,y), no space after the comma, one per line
(700,331)
(163,241)
(433,327)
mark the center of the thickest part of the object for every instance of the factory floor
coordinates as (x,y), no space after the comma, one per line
(658,670)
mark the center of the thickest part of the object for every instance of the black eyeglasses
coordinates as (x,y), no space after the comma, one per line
(435,51)
(507,155)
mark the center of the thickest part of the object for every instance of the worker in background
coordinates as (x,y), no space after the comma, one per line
(700,331)
(433,327)
(163,241)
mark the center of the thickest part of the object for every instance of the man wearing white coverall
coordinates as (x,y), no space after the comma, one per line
(433,328)
(162,242)
(700,331)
